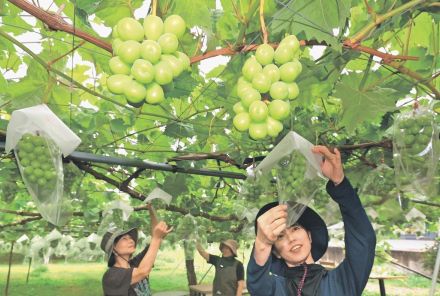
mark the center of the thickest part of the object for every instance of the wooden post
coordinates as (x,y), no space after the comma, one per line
(435,272)
(382,287)
(9,269)
(190,272)
(29,270)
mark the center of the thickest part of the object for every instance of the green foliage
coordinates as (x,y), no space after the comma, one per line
(315,19)
(354,99)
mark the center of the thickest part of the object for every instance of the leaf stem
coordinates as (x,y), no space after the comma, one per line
(154,7)
(240,39)
(366,73)
(362,34)
(262,23)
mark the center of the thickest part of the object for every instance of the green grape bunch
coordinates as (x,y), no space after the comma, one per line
(414,134)
(290,173)
(379,182)
(189,247)
(38,156)
(266,87)
(8,190)
(146,58)
(416,151)
(257,188)
(187,227)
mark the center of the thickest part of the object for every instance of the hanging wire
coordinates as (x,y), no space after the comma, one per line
(72,63)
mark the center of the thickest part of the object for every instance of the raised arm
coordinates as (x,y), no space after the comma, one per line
(146,264)
(260,282)
(202,251)
(360,239)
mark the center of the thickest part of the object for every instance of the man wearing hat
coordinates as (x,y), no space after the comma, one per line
(283,259)
(127,276)
(229,272)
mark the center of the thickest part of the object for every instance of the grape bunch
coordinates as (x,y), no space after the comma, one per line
(267,85)
(189,247)
(146,59)
(414,134)
(290,173)
(416,151)
(187,227)
(255,189)
(35,156)
(379,183)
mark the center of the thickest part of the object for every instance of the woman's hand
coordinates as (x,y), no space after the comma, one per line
(331,165)
(271,224)
(161,230)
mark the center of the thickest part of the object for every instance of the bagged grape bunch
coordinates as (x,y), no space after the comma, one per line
(257,188)
(380,188)
(297,172)
(187,233)
(146,58)
(39,140)
(187,228)
(416,153)
(39,160)
(266,87)
(379,183)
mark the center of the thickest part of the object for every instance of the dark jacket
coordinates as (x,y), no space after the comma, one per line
(350,277)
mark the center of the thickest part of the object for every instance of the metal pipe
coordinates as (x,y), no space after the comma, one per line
(138,163)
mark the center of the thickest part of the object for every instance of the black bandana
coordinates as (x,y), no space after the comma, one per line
(313,275)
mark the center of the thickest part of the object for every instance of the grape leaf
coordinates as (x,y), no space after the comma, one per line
(373,103)
(317,19)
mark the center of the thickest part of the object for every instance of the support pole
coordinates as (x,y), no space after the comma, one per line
(9,269)
(29,270)
(435,272)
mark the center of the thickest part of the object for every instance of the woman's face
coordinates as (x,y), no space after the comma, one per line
(294,245)
(125,245)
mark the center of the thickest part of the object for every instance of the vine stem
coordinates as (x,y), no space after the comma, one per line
(70,51)
(379,19)
(414,75)
(251,47)
(58,24)
(262,23)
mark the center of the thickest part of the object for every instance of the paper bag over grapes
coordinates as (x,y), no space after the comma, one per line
(39,139)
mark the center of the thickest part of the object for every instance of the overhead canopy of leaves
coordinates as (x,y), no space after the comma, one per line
(347,97)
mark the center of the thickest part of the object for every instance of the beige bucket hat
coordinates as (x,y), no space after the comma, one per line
(231,244)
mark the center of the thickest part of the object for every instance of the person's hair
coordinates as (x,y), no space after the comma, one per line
(117,239)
